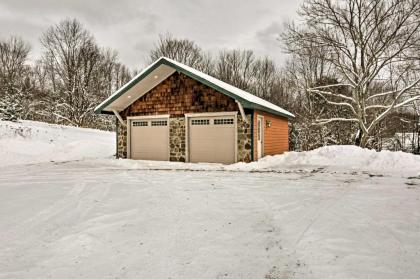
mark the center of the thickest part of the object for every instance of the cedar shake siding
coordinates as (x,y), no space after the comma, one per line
(276,137)
(179,94)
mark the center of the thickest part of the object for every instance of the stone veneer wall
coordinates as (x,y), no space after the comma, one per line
(244,139)
(177,139)
(121,140)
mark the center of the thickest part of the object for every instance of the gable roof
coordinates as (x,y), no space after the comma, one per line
(163,68)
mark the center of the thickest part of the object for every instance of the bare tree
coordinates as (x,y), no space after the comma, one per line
(236,67)
(14,79)
(77,75)
(111,74)
(257,75)
(300,73)
(181,50)
(70,60)
(267,83)
(122,75)
(370,44)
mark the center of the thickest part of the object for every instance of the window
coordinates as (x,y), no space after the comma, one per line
(140,123)
(223,121)
(200,122)
(159,123)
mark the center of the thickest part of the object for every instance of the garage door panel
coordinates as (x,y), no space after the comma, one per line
(212,140)
(149,140)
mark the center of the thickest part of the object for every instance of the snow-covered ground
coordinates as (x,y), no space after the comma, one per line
(335,212)
(30,142)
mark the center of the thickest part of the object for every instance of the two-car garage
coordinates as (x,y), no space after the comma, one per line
(209,138)
(172,112)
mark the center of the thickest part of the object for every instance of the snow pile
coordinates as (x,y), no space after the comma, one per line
(36,142)
(340,157)
(334,158)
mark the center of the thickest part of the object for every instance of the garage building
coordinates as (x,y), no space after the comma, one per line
(172,112)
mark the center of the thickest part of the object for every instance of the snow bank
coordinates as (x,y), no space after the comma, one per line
(36,142)
(334,158)
(340,157)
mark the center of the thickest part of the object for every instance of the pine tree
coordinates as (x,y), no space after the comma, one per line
(11,104)
(13,78)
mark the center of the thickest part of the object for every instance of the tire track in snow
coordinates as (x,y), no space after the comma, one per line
(50,224)
(384,228)
(314,214)
(331,201)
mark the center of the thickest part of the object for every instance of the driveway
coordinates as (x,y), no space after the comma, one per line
(98,219)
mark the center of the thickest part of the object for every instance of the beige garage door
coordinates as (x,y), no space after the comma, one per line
(149,139)
(212,139)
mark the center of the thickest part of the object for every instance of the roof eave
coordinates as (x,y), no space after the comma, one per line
(265,109)
(100,108)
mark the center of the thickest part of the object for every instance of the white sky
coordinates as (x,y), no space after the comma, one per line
(132,27)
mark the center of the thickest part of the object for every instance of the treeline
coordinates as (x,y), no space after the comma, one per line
(74,74)
(65,84)
(352,76)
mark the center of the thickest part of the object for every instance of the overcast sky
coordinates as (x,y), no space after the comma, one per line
(133,27)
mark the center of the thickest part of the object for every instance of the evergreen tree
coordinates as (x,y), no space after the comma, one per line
(14,71)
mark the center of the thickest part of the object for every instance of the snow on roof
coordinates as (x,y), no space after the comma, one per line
(217,84)
(234,90)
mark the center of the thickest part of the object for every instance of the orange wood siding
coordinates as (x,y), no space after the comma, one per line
(276,137)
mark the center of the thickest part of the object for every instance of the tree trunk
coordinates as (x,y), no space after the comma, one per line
(358,138)
(361,139)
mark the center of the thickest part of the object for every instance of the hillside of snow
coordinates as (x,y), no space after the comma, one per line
(29,142)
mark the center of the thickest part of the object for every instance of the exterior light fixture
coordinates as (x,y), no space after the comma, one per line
(156,77)
(129,96)
(268,123)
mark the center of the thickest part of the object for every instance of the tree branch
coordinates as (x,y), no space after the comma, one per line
(325,121)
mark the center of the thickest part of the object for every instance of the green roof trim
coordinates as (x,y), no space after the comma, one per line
(122,90)
(245,103)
